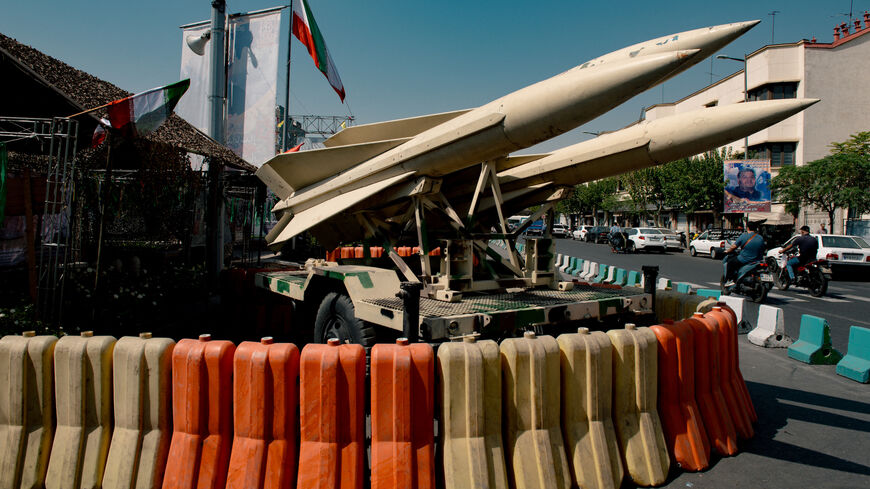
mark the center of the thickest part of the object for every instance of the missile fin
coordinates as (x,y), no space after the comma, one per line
(316,214)
(287,172)
(400,128)
(509,162)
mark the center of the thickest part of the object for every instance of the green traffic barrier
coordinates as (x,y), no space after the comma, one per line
(579,269)
(602,274)
(683,288)
(711,293)
(621,277)
(634,278)
(856,364)
(814,343)
(576,266)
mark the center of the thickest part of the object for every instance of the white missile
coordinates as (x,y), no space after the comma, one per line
(364,161)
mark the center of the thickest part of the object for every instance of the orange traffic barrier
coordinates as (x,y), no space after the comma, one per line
(202,415)
(736,376)
(332,416)
(708,390)
(681,419)
(402,392)
(264,414)
(333,255)
(739,417)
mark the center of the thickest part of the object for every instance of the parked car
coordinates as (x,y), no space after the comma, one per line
(672,239)
(713,242)
(581,232)
(840,250)
(598,234)
(560,231)
(646,239)
(536,228)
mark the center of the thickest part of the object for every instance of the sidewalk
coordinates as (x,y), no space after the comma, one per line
(813,429)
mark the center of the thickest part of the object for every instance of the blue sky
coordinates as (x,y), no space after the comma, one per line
(412,57)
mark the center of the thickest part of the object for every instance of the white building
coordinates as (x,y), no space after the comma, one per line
(836,72)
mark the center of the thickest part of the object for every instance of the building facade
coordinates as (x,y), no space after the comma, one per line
(837,73)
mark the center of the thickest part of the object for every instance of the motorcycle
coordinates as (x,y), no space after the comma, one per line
(755,281)
(815,275)
(618,243)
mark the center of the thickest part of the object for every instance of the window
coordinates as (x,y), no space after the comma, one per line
(773,91)
(780,154)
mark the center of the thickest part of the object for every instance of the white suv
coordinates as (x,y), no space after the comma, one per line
(580,233)
(645,239)
(712,242)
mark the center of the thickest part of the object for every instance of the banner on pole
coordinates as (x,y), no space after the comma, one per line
(253,41)
(747,186)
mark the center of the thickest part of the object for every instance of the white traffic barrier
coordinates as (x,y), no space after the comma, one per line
(591,272)
(738,304)
(611,275)
(563,263)
(586,265)
(770,331)
(664,283)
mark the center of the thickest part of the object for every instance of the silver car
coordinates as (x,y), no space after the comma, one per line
(672,239)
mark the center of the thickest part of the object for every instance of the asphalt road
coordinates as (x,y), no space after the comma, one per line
(847,302)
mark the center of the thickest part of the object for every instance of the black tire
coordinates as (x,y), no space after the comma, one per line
(817,283)
(335,319)
(692,251)
(758,293)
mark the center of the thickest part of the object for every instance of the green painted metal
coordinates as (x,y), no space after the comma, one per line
(711,293)
(856,364)
(814,344)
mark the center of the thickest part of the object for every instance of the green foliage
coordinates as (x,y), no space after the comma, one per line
(647,187)
(694,184)
(858,144)
(840,180)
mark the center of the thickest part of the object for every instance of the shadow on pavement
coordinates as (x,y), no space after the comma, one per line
(775,406)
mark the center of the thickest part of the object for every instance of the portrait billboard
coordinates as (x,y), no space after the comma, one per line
(747,186)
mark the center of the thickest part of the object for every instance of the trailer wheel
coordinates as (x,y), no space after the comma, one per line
(335,319)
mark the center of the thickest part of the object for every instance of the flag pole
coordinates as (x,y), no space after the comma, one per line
(89,110)
(287,93)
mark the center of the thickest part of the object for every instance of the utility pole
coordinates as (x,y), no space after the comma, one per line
(214,229)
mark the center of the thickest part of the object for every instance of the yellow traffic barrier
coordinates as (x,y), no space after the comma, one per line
(142,379)
(83,390)
(587,418)
(638,427)
(668,305)
(535,451)
(26,409)
(470,380)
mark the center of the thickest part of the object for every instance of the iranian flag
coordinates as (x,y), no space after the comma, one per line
(144,112)
(305,29)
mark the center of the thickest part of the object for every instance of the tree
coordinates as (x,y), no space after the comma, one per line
(857,144)
(840,180)
(694,184)
(647,187)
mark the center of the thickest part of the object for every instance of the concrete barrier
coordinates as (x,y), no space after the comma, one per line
(683,288)
(635,279)
(620,277)
(590,273)
(711,293)
(586,266)
(856,364)
(577,267)
(602,274)
(770,330)
(663,284)
(611,275)
(569,265)
(814,343)
(738,305)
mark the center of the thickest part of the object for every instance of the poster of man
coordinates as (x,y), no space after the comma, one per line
(747,185)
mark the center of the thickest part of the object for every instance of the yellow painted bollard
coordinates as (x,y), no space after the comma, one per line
(587,416)
(83,390)
(26,409)
(534,448)
(635,416)
(142,378)
(470,403)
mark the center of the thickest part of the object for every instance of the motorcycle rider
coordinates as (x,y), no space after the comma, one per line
(752,251)
(808,247)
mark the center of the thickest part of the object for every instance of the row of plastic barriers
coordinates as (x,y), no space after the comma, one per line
(584,409)
(346,252)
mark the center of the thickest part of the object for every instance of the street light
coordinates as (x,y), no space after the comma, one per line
(745,96)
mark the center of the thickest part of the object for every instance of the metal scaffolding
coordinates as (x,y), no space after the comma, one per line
(56,140)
